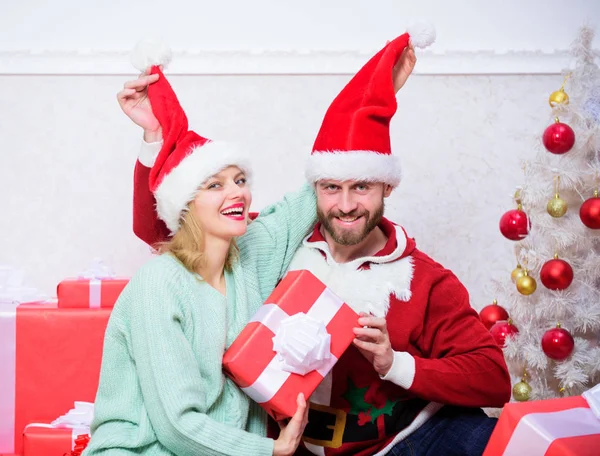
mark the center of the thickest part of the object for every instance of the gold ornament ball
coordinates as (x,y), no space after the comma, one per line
(522,391)
(557,98)
(517,273)
(526,285)
(557,207)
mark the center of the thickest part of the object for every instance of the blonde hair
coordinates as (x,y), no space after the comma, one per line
(187,244)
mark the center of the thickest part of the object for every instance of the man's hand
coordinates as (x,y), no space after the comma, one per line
(373,341)
(404,67)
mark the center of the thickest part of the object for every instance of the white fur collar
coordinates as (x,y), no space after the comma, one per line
(364,290)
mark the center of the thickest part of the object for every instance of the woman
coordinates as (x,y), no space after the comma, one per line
(162,390)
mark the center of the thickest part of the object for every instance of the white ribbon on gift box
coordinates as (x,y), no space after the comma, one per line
(274,375)
(97,272)
(12,293)
(8,339)
(592,397)
(535,432)
(78,419)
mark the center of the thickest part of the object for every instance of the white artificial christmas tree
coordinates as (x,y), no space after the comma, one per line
(569,177)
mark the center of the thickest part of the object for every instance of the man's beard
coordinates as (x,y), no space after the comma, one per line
(349,237)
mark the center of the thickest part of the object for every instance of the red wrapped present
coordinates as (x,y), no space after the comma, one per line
(39,440)
(68,435)
(291,343)
(97,287)
(89,293)
(556,427)
(49,357)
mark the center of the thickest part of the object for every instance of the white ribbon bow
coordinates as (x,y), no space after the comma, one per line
(79,417)
(12,290)
(97,270)
(302,344)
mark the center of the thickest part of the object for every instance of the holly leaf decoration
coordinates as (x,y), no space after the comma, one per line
(356,398)
(366,411)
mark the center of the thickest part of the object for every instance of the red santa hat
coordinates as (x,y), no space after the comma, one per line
(186,159)
(354,140)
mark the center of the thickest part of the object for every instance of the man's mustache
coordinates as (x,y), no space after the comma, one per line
(354,213)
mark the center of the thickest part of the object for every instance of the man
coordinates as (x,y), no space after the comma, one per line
(422,364)
(427,362)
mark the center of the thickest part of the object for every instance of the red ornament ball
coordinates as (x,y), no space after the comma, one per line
(589,213)
(556,274)
(489,315)
(558,343)
(514,225)
(501,330)
(558,138)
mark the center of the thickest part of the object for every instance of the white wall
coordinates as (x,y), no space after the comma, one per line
(68,152)
(276,25)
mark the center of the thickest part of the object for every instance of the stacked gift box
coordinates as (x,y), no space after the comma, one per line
(50,356)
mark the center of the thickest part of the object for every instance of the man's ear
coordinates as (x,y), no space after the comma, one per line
(387,190)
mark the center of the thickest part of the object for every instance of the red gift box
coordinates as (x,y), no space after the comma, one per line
(47,441)
(271,361)
(556,427)
(89,293)
(53,359)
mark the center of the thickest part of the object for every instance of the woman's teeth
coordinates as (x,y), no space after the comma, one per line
(236,211)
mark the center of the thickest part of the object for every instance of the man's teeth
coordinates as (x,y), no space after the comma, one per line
(348,219)
(236,211)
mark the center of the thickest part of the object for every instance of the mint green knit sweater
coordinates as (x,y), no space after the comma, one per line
(162,390)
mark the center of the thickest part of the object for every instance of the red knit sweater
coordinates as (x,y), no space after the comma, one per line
(456,361)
